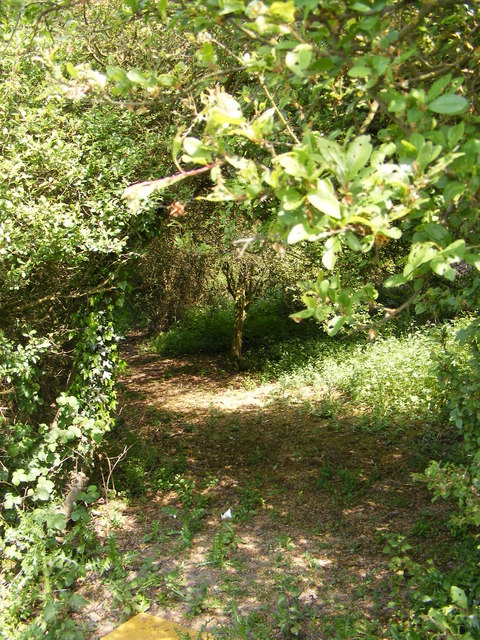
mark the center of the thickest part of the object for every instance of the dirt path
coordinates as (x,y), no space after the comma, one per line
(311,497)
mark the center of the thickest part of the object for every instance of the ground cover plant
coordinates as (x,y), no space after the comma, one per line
(329,535)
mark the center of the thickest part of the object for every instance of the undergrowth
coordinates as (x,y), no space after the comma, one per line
(209,329)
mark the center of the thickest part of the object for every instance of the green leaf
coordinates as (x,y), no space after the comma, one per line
(297,234)
(449,104)
(56,521)
(206,54)
(301,315)
(292,165)
(225,110)
(19,476)
(299,59)
(329,258)
(455,134)
(438,86)
(459,597)
(395,281)
(166,80)
(359,71)
(291,199)
(398,104)
(284,11)
(231,6)
(162,8)
(136,76)
(324,200)
(361,7)
(352,241)
(132,5)
(392,232)
(71,70)
(196,150)
(335,324)
(452,190)
(358,154)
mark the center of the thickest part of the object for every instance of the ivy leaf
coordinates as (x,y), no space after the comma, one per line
(449,104)
(56,520)
(44,489)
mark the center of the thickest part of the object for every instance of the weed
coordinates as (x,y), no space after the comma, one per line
(425,527)
(195,598)
(154,534)
(250,500)
(245,627)
(284,541)
(223,545)
(290,612)
(350,482)
(256,457)
(325,473)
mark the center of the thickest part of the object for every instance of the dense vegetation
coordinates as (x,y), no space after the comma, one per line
(202,171)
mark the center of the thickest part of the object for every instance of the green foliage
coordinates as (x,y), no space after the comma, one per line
(290,612)
(351,184)
(223,545)
(443,602)
(459,377)
(201,331)
(64,247)
(209,329)
(352,125)
(392,379)
(250,500)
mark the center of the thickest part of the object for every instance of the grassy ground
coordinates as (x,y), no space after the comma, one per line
(314,462)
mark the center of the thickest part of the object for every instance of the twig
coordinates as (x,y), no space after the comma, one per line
(370,116)
(279,113)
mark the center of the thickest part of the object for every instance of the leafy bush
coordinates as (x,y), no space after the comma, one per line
(206,330)
(209,329)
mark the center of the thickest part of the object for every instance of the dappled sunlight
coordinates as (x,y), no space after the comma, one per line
(311,497)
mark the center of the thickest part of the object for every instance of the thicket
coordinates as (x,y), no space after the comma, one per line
(67,243)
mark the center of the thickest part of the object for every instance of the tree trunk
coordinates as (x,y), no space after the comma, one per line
(239,315)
